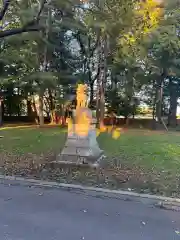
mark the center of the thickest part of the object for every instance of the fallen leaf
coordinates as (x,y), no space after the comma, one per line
(8,199)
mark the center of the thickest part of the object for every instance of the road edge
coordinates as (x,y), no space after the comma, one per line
(161,201)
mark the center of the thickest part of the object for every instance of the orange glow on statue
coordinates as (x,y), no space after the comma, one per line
(83,117)
(83,120)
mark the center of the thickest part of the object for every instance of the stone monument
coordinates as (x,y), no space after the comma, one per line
(81,146)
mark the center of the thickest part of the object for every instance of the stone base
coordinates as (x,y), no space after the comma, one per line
(78,161)
(79,150)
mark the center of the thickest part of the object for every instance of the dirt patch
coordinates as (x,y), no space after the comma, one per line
(122,177)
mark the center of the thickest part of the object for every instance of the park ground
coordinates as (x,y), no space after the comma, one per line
(141,160)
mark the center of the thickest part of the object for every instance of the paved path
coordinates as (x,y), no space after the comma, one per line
(49,214)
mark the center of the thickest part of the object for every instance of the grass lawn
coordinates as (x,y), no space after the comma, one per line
(143,160)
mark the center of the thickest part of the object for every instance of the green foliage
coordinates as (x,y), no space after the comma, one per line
(65,47)
(120,104)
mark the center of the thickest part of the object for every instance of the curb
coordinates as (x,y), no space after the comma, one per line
(162,202)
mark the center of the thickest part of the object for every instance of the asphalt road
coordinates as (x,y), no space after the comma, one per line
(49,214)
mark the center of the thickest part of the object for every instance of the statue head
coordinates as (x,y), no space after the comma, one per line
(81,95)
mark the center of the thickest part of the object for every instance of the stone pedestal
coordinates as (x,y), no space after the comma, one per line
(80,149)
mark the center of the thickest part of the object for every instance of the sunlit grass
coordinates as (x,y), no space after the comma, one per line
(148,149)
(155,153)
(31,140)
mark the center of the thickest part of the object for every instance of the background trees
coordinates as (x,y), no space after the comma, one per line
(126,51)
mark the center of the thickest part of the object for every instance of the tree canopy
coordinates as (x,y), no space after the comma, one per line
(126,51)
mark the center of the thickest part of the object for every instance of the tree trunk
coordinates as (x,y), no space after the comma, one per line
(51,100)
(127,121)
(51,106)
(98,109)
(1,113)
(98,95)
(102,78)
(41,115)
(29,110)
(154,101)
(172,120)
(43,66)
(102,104)
(159,94)
(35,112)
(91,94)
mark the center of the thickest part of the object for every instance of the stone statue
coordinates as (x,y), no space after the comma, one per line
(81,146)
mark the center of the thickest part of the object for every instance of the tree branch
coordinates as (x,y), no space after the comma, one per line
(78,37)
(97,75)
(31,26)
(40,9)
(16,31)
(94,47)
(4,9)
